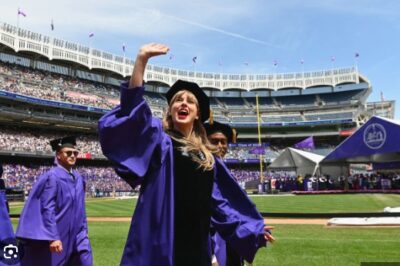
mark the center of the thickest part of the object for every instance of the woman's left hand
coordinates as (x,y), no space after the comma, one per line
(267,234)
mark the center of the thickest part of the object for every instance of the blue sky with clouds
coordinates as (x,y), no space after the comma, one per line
(234,36)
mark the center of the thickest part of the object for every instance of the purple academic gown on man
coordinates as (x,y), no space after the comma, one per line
(55,210)
(143,153)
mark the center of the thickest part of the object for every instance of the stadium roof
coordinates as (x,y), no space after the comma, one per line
(21,40)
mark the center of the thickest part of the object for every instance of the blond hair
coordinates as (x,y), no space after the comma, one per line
(197,142)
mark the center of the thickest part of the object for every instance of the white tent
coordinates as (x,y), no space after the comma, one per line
(297,160)
(306,163)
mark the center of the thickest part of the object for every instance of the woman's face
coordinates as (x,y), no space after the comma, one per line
(184,111)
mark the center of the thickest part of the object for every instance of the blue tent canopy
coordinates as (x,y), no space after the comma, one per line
(377,141)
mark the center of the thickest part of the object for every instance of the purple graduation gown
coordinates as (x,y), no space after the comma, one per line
(6,233)
(219,246)
(135,141)
(55,210)
(6,230)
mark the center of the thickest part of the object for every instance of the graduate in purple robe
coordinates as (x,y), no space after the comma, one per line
(221,135)
(9,249)
(53,227)
(3,186)
(184,187)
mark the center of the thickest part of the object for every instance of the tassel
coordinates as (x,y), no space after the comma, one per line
(211,119)
(234,135)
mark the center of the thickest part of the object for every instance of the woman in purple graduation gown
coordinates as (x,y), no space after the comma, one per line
(184,186)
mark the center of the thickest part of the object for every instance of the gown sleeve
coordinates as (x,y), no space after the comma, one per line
(5,223)
(38,218)
(83,255)
(234,216)
(129,135)
(48,202)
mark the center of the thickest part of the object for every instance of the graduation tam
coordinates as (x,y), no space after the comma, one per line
(66,142)
(202,98)
(225,129)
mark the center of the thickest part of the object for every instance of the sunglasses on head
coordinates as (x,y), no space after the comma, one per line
(69,153)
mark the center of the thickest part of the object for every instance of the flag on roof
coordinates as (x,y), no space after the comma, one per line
(22,13)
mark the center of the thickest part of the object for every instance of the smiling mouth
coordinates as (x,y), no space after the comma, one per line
(182,114)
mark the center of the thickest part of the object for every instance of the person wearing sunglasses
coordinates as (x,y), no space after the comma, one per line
(53,227)
(221,135)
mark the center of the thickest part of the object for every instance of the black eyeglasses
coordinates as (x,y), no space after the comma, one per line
(69,153)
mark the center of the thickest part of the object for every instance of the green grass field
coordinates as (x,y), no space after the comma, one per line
(295,245)
(274,204)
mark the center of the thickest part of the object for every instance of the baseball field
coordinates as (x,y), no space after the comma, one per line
(299,241)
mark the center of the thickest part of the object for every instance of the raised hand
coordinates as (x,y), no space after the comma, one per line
(151,50)
(146,51)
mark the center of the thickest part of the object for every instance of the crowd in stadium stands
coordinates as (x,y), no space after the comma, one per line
(36,141)
(288,181)
(245,175)
(49,86)
(103,179)
(97,178)
(245,153)
(32,140)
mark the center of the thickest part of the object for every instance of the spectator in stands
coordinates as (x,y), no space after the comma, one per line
(53,227)
(3,186)
(183,181)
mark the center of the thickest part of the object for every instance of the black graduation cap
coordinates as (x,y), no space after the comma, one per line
(202,98)
(69,142)
(225,129)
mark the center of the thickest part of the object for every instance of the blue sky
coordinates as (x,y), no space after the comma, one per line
(234,36)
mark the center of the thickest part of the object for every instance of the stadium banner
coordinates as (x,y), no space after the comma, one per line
(234,161)
(78,95)
(51,103)
(257,150)
(248,145)
(298,123)
(346,133)
(307,143)
(85,155)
